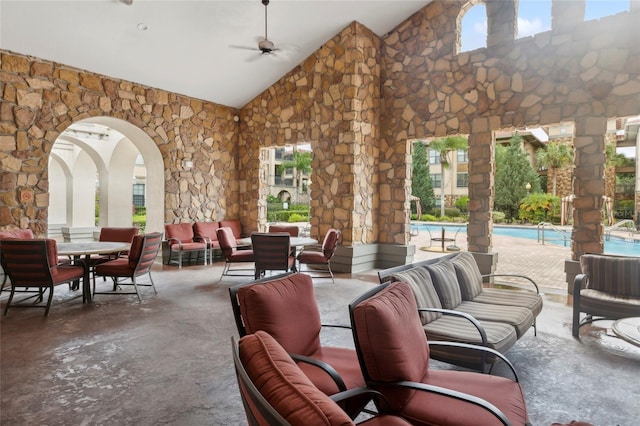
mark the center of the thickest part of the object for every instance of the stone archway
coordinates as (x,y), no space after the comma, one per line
(115,169)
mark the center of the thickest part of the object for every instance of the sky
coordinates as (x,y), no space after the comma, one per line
(534,16)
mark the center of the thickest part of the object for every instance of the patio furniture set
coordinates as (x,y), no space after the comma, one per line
(284,370)
(35,266)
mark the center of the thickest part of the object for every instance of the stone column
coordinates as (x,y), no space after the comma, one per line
(501,22)
(566,14)
(588,186)
(481,188)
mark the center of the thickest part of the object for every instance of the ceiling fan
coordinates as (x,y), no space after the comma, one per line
(265,46)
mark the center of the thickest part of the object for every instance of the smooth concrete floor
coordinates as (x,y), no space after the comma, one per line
(167,359)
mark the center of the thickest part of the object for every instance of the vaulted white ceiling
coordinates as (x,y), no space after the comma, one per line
(187,46)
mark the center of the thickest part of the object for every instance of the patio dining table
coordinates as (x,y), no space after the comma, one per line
(293,241)
(86,249)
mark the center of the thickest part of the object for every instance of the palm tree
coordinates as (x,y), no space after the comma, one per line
(301,164)
(444,146)
(555,157)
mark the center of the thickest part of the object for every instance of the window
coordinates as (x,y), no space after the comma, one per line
(463,156)
(462,180)
(437,180)
(138,194)
(434,157)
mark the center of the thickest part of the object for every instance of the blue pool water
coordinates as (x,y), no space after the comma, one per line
(612,246)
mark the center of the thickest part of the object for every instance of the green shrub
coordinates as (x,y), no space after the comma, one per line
(498,217)
(295,217)
(452,212)
(537,207)
(462,203)
(429,218)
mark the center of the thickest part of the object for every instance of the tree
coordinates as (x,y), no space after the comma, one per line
(554,157)
(301,164)
(421,184)
(444,146)
(513,172)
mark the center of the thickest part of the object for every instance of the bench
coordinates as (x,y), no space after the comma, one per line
(455,306)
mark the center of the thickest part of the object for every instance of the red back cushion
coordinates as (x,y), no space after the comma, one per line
(52,251)
(181,231)
(235,226)
(136,249)
(290,229)
(227,240)
(206,229)
(17,234)
(121,235)
(390,335)
(330,242)
(285,386)
(286,308)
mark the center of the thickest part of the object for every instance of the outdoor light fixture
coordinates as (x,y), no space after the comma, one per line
(187,164)
(528,186)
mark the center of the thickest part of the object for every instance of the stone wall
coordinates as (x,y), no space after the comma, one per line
(331,100)
(40,99)
(584,71)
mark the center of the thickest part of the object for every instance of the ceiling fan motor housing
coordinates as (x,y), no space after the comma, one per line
(266,46)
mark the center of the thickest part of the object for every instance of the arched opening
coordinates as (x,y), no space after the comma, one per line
(472,27)
(98,160)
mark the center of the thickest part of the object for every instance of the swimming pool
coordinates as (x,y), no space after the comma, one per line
(612,246)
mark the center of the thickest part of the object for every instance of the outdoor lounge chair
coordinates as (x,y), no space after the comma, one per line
(285,307)
(394,357)
(207,232)
(181,240)
(608,288)
(14,234)
(276,392)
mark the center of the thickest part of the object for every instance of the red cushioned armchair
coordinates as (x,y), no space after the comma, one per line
(285,307)
(394,357)
(275,391)
(207,232)
(313,257)
(181,239)
(32,267)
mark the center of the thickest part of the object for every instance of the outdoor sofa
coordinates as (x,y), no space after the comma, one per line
(455,306)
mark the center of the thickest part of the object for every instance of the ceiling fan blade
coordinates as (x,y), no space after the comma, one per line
(233,46)
(254,57)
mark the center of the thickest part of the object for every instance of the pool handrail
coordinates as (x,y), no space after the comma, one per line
(542,227)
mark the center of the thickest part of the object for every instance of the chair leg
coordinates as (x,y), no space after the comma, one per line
(6,309)
(153,285)
(135,286)
(49,300)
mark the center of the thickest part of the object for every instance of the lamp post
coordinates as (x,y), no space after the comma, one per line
(528,187)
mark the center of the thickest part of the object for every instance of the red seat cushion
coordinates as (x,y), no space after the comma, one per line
(117,267)
(206,229)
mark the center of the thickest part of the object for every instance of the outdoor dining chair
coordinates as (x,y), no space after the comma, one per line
(142,255)
(14,234)
(394,358)
(32,267)
(320,259)
(231,254)
(272,252)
